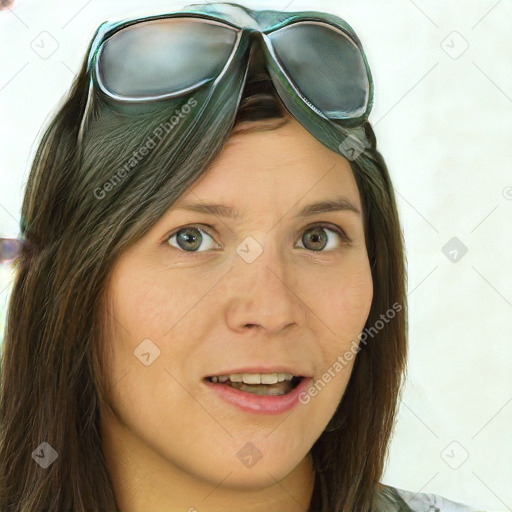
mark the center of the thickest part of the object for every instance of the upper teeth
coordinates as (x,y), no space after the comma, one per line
(254,378)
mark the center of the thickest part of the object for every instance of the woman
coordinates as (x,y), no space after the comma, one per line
(209,311)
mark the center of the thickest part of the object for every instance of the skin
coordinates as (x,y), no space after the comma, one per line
(170,443)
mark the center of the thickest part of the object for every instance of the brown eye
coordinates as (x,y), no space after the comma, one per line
(316,238)
(189,238)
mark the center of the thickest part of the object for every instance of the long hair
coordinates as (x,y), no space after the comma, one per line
(76,223)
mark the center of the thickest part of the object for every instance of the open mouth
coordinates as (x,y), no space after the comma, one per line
(282,387)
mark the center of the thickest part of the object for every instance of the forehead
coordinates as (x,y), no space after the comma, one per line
(281,165)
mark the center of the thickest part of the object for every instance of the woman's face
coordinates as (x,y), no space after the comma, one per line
(209,295)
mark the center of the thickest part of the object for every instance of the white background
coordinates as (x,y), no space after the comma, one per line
(442,116)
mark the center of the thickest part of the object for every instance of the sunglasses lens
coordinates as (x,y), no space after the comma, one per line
(158,57)
(10,249)
(326,66)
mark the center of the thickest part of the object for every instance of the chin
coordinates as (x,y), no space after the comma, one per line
(257,463)
(259,477)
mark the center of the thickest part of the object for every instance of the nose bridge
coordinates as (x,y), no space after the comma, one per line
(264,269)
(263,294)
(267,256)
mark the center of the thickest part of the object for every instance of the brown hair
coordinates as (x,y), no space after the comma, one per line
(52,372)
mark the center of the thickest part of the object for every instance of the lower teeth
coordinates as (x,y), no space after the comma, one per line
(280,388)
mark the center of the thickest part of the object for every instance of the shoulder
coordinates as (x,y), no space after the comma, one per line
(391,499)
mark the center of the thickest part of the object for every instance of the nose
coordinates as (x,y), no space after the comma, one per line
(264,294)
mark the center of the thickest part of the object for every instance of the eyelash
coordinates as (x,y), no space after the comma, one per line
(345,239)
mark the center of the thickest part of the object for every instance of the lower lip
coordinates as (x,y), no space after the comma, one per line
(251,402)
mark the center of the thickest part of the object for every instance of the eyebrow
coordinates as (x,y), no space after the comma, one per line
(221,210)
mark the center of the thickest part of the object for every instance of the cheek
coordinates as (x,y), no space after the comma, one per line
(149,303)
(343,304)
(346,300)
(356,295)
(142,305)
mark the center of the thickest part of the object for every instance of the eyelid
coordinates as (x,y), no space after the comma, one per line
(346,240)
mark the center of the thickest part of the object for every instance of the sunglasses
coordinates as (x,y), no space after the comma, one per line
(313,58)
(10,249)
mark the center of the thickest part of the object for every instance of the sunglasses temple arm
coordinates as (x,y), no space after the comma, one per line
(96,40)
(85,115)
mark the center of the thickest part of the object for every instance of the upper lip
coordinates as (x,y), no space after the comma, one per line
(263,369)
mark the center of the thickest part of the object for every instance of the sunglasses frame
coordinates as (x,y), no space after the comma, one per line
(108,29)
(11,238)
